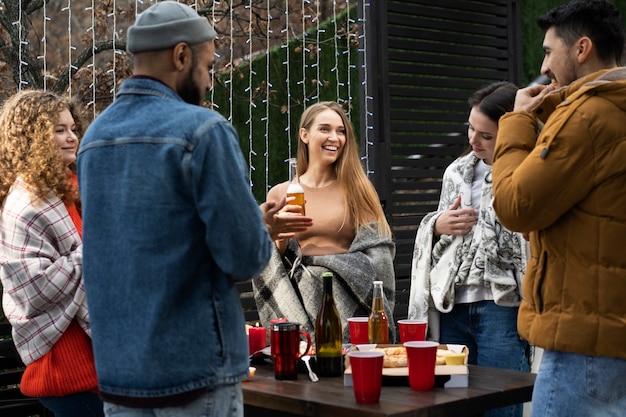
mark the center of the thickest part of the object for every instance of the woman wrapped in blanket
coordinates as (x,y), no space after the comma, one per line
(41,252)
(467,268)
(350,235)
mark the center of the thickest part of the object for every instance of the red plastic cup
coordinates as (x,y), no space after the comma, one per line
(358,330)
(422,358)
(285,348)
(412,330)
(367,375)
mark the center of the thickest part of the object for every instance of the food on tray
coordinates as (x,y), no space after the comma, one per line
(455,359)
(443,353)
(395,357)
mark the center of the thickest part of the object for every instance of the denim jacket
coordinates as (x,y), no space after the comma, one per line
(169,225)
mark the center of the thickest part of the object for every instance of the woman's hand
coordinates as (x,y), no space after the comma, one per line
(455,221)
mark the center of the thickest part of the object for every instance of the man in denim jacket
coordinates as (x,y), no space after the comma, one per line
(170,225)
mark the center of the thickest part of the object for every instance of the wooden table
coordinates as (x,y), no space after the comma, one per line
(488,388)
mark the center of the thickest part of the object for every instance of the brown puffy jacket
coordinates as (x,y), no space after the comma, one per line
(568,188)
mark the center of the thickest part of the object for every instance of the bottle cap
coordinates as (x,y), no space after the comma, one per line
(327,274)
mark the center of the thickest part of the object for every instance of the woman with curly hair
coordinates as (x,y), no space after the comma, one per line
(350,235)
(41,252)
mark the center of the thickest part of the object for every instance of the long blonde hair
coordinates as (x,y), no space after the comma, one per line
(27,146)
(360,196)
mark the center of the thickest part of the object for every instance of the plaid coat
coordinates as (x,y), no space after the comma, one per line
(40,271)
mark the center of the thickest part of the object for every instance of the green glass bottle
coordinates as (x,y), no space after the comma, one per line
(328,358)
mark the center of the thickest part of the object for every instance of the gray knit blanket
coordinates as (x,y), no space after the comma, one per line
(291,285)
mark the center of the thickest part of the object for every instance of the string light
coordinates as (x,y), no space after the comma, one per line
(311,50)
(335,69)
(22,42)
(113,70)
(286,63)
(305,50)
(251,74)
(44,43)
(318,52)
(92,103)
(366,97)
(349,22)
(230,66)
(268,87)
(69,46)
(217,56)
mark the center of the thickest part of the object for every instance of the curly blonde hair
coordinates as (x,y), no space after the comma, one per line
(27,146)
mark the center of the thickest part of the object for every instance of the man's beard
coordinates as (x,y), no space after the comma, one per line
(190,91)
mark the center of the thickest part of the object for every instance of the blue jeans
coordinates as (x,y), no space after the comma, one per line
(490,333)
(574,385)
(82,404)
(222,401)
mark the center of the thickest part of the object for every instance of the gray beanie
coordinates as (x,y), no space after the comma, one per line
(166,24)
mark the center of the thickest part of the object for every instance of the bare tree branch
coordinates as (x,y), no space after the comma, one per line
(63,80)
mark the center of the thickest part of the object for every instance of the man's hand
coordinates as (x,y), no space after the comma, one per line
(283,220)
(455,221)
(528,98)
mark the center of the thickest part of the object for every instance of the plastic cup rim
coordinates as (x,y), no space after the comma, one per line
(365,347)
(420,344)
(358,319)
(366,354)
(412,321)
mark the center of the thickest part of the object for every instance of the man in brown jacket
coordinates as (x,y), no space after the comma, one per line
(565,183)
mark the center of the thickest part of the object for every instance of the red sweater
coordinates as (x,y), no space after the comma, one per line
(69,366)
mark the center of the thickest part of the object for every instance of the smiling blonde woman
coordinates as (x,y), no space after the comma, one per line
(350,235)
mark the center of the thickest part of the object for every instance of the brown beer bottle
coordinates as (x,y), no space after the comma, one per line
(294,189)
(377,325)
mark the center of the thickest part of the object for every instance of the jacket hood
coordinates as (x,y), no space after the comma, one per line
(610,83)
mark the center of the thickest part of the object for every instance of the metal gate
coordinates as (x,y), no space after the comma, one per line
(424,58)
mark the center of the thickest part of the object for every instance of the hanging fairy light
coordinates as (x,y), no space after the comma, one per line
(251,74)
(92,29)
(366,97)
(44,45)
(305,50)
(349,22)
(231,69)
(113,70)
(70,47)
(318,52)
(268,87)
(287,68)
(335,69)
(22,41)
(310,76)
(217,56)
